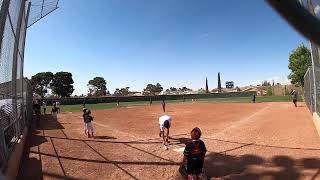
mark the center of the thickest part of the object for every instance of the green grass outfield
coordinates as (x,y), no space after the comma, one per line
(78,107)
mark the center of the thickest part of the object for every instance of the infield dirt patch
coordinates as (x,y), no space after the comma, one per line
(244,141)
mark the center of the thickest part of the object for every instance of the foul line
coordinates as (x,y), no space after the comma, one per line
(241,122)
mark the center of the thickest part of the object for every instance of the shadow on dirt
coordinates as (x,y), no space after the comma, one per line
(278,167)
(178,141)
(47,122)
(103,137)
(217,165)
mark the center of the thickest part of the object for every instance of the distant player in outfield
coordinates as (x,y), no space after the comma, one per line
(54,112)
(294,97)
(44,107)
(194,154)
(88,124)
(165,124)
(254,98)
(84,103)
(163,105)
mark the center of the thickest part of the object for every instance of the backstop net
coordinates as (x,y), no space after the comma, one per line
(15,91)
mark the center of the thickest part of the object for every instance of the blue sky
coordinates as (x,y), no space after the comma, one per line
(173,42)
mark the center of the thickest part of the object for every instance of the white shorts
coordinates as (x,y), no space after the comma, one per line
(88,127)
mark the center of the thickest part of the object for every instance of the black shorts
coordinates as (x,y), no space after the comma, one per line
(194,166)
(294,101)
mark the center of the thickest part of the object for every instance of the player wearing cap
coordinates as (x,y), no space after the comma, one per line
(165,124)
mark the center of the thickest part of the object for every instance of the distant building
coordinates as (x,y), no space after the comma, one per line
(135,93)
(229,84)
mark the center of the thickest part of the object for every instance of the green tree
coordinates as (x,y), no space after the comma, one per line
(173,89)
(299,62)
(269,92)
(152,89)
(219,83)
(40,83)
(97,86)
(61,84)
(184,89)
(207,87)
(122,91)
(159,88)
(266,83)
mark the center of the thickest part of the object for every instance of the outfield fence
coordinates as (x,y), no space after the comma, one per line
(111,99)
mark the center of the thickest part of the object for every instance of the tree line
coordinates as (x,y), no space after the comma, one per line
(61,84)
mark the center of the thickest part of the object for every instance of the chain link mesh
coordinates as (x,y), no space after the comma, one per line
(309,89)
(12,104)
(41,8)
(15,92)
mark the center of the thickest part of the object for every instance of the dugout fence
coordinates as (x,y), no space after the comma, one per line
(308,89)
(312,76)
(312,81)
(12,106)
(15,91)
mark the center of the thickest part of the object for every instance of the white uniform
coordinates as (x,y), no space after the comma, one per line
(162,119)
(89,127)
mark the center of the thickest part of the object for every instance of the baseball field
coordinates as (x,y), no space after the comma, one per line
(267,140)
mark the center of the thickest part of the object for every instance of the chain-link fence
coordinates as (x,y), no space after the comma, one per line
(312,81)
(15,91)
(309,89)
(13,31)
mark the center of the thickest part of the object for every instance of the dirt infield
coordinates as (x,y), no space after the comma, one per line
(244,141)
